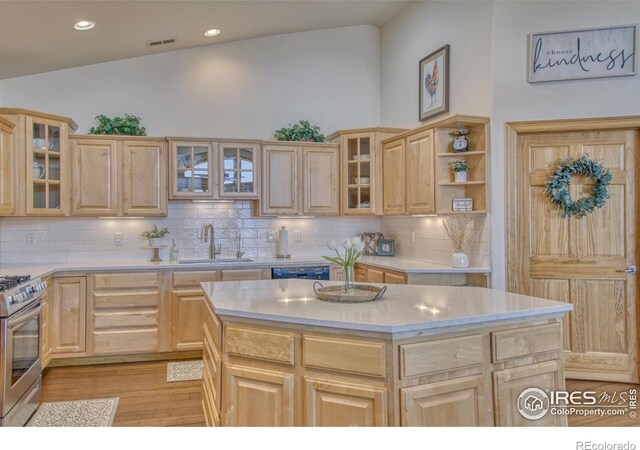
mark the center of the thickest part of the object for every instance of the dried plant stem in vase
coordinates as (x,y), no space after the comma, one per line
(459,230)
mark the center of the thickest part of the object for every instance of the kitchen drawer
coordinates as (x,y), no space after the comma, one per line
(193,279)
(259,343)
(125,341)
(526,341)
(361,274)
(245,274)
(123,319)
(125,280)
(146,299)
(212,325)
(423,358)
(344,355)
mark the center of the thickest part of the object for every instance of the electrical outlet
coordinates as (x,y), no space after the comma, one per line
(117,239)
(271,236)
(297,236)
(31,239)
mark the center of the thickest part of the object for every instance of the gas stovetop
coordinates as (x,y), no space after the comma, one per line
(18,291)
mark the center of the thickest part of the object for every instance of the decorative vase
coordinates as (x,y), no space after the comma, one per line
(154,242)
(348,282)
(459,260)
(461,177)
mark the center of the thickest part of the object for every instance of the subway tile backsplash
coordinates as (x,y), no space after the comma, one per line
(92,239)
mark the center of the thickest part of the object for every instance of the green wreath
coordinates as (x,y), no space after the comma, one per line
(557,187)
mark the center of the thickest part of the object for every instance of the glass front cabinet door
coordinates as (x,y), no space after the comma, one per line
(239,169)
(192,169)
(46,171)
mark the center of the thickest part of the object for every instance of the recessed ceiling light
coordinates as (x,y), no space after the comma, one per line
(84,25)
(212,32)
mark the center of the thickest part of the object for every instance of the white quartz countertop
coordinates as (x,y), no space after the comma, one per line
(392,263)
(404,308)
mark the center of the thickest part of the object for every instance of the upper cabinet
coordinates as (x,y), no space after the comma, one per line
(41,145)
(8,169)
(239,170)
(300,178)
(191,168)
(118,176)
(417,177)
(361,168)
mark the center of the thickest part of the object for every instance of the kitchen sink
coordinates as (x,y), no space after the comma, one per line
(215,261)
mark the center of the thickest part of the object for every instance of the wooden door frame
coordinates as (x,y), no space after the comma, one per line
(514,278)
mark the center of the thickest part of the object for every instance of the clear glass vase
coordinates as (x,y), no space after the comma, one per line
(348,282)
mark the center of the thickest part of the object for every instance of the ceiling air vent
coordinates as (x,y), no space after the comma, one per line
(159,42)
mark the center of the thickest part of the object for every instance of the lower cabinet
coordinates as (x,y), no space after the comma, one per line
(333,403)
(186,320)
(46,327)
(510,383)
(369,274)
(256,397)
(457,402)
(68,322)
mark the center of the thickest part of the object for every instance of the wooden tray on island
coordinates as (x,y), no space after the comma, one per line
(359,294)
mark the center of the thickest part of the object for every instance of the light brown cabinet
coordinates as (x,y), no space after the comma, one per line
(118,177)
(68,322)
(239,170)
(459,402)
(8,169)
(300,178)
(46,326)
(370,274)
(256,397)
(335,403)
(192,164)
(420,194)
(40,144)
(127,314)
(393,176)
(361,168)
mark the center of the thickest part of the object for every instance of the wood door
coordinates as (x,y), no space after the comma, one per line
(191,169)
(144,174)
(420,173)
(8,169)
(321,181)
(238,170)
(280,175)
(46,318)
(580,260)
(187,310)
(375,275)
(69,315)
(459,402)
(333,403)
(395,278)
(94,177)
(508,384)
(256,397)
(393,178)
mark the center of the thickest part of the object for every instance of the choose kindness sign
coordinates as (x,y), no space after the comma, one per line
(573,55)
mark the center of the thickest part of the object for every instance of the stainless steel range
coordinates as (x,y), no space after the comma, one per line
(20,357)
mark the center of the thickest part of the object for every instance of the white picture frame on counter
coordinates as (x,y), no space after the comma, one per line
(580,54)
(462,204)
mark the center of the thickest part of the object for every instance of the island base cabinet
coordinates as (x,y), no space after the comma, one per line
(256,397)
(186,315)
(510,383)
(459,402)
(330,403)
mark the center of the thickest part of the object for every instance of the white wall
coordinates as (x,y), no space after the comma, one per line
(420,29)
(241,89)
(514,99)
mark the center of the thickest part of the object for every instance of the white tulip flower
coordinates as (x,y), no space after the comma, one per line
(347,244)
(332,244)
(355,241)
(360,246)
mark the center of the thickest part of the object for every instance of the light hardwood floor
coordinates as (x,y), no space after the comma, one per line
(146,399)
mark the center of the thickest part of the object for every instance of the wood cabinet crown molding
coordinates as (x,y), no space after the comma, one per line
(41,115)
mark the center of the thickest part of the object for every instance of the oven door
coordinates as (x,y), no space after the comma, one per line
(20,358)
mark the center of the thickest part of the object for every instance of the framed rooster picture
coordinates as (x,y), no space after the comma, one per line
(434,84)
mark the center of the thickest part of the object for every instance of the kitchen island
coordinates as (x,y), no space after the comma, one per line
(274,355)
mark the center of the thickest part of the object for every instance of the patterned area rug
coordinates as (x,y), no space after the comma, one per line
(184,370)
(80,413)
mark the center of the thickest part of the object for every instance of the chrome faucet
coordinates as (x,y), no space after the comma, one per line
(239,253)
(212,242)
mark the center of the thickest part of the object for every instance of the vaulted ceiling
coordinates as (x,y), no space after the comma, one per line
(38,36)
